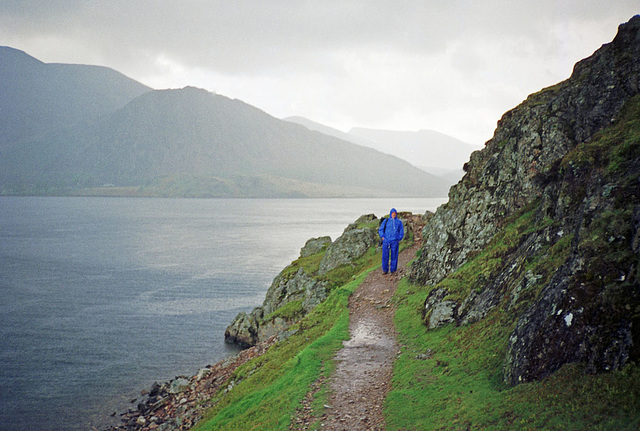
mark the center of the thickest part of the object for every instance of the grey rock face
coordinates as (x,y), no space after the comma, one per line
(585,309)
(315,245)
(439,311)
(244,328)
(587,312)
(250,329)
(529,140)
(352,244)
(301,286)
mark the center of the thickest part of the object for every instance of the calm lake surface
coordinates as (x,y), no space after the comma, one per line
(100,297)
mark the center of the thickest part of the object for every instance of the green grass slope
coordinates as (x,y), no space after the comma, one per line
(451,379)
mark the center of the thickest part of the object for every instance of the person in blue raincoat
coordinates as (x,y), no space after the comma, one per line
(391,232)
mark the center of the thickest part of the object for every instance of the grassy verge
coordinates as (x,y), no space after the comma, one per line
(267,390)
(451,378)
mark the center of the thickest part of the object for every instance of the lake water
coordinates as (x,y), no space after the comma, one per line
(100,297)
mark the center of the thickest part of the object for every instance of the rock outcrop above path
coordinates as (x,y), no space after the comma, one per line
(546,223)
(353,243)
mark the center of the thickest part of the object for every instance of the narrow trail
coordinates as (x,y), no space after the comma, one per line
(364,365)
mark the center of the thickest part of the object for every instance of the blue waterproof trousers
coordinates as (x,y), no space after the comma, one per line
(390,255)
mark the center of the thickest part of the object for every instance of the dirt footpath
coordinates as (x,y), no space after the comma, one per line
(364,365)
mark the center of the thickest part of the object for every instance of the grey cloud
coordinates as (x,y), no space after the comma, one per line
(240,35)
(359,61)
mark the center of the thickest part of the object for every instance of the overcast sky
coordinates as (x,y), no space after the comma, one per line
(454,66)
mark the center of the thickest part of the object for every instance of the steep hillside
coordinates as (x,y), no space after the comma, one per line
(191,142)
(36,97)
(545,224)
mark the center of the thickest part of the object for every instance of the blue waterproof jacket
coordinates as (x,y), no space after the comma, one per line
(392,228)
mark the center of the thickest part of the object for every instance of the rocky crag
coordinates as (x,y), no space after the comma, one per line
(545,223)
(305,283)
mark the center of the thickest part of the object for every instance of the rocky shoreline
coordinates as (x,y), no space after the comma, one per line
(180,403)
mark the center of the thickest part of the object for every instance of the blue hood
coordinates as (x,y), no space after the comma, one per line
(393,210)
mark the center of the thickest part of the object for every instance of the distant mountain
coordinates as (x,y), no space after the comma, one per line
(431,151)
(37,98)
(426,149)
(79,127)
(312,125)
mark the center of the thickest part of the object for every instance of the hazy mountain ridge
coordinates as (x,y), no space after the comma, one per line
(431,151)
(38,98)
(189,138)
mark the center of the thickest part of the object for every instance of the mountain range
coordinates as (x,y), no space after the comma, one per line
(37,98)
(431,151)
(76,129)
